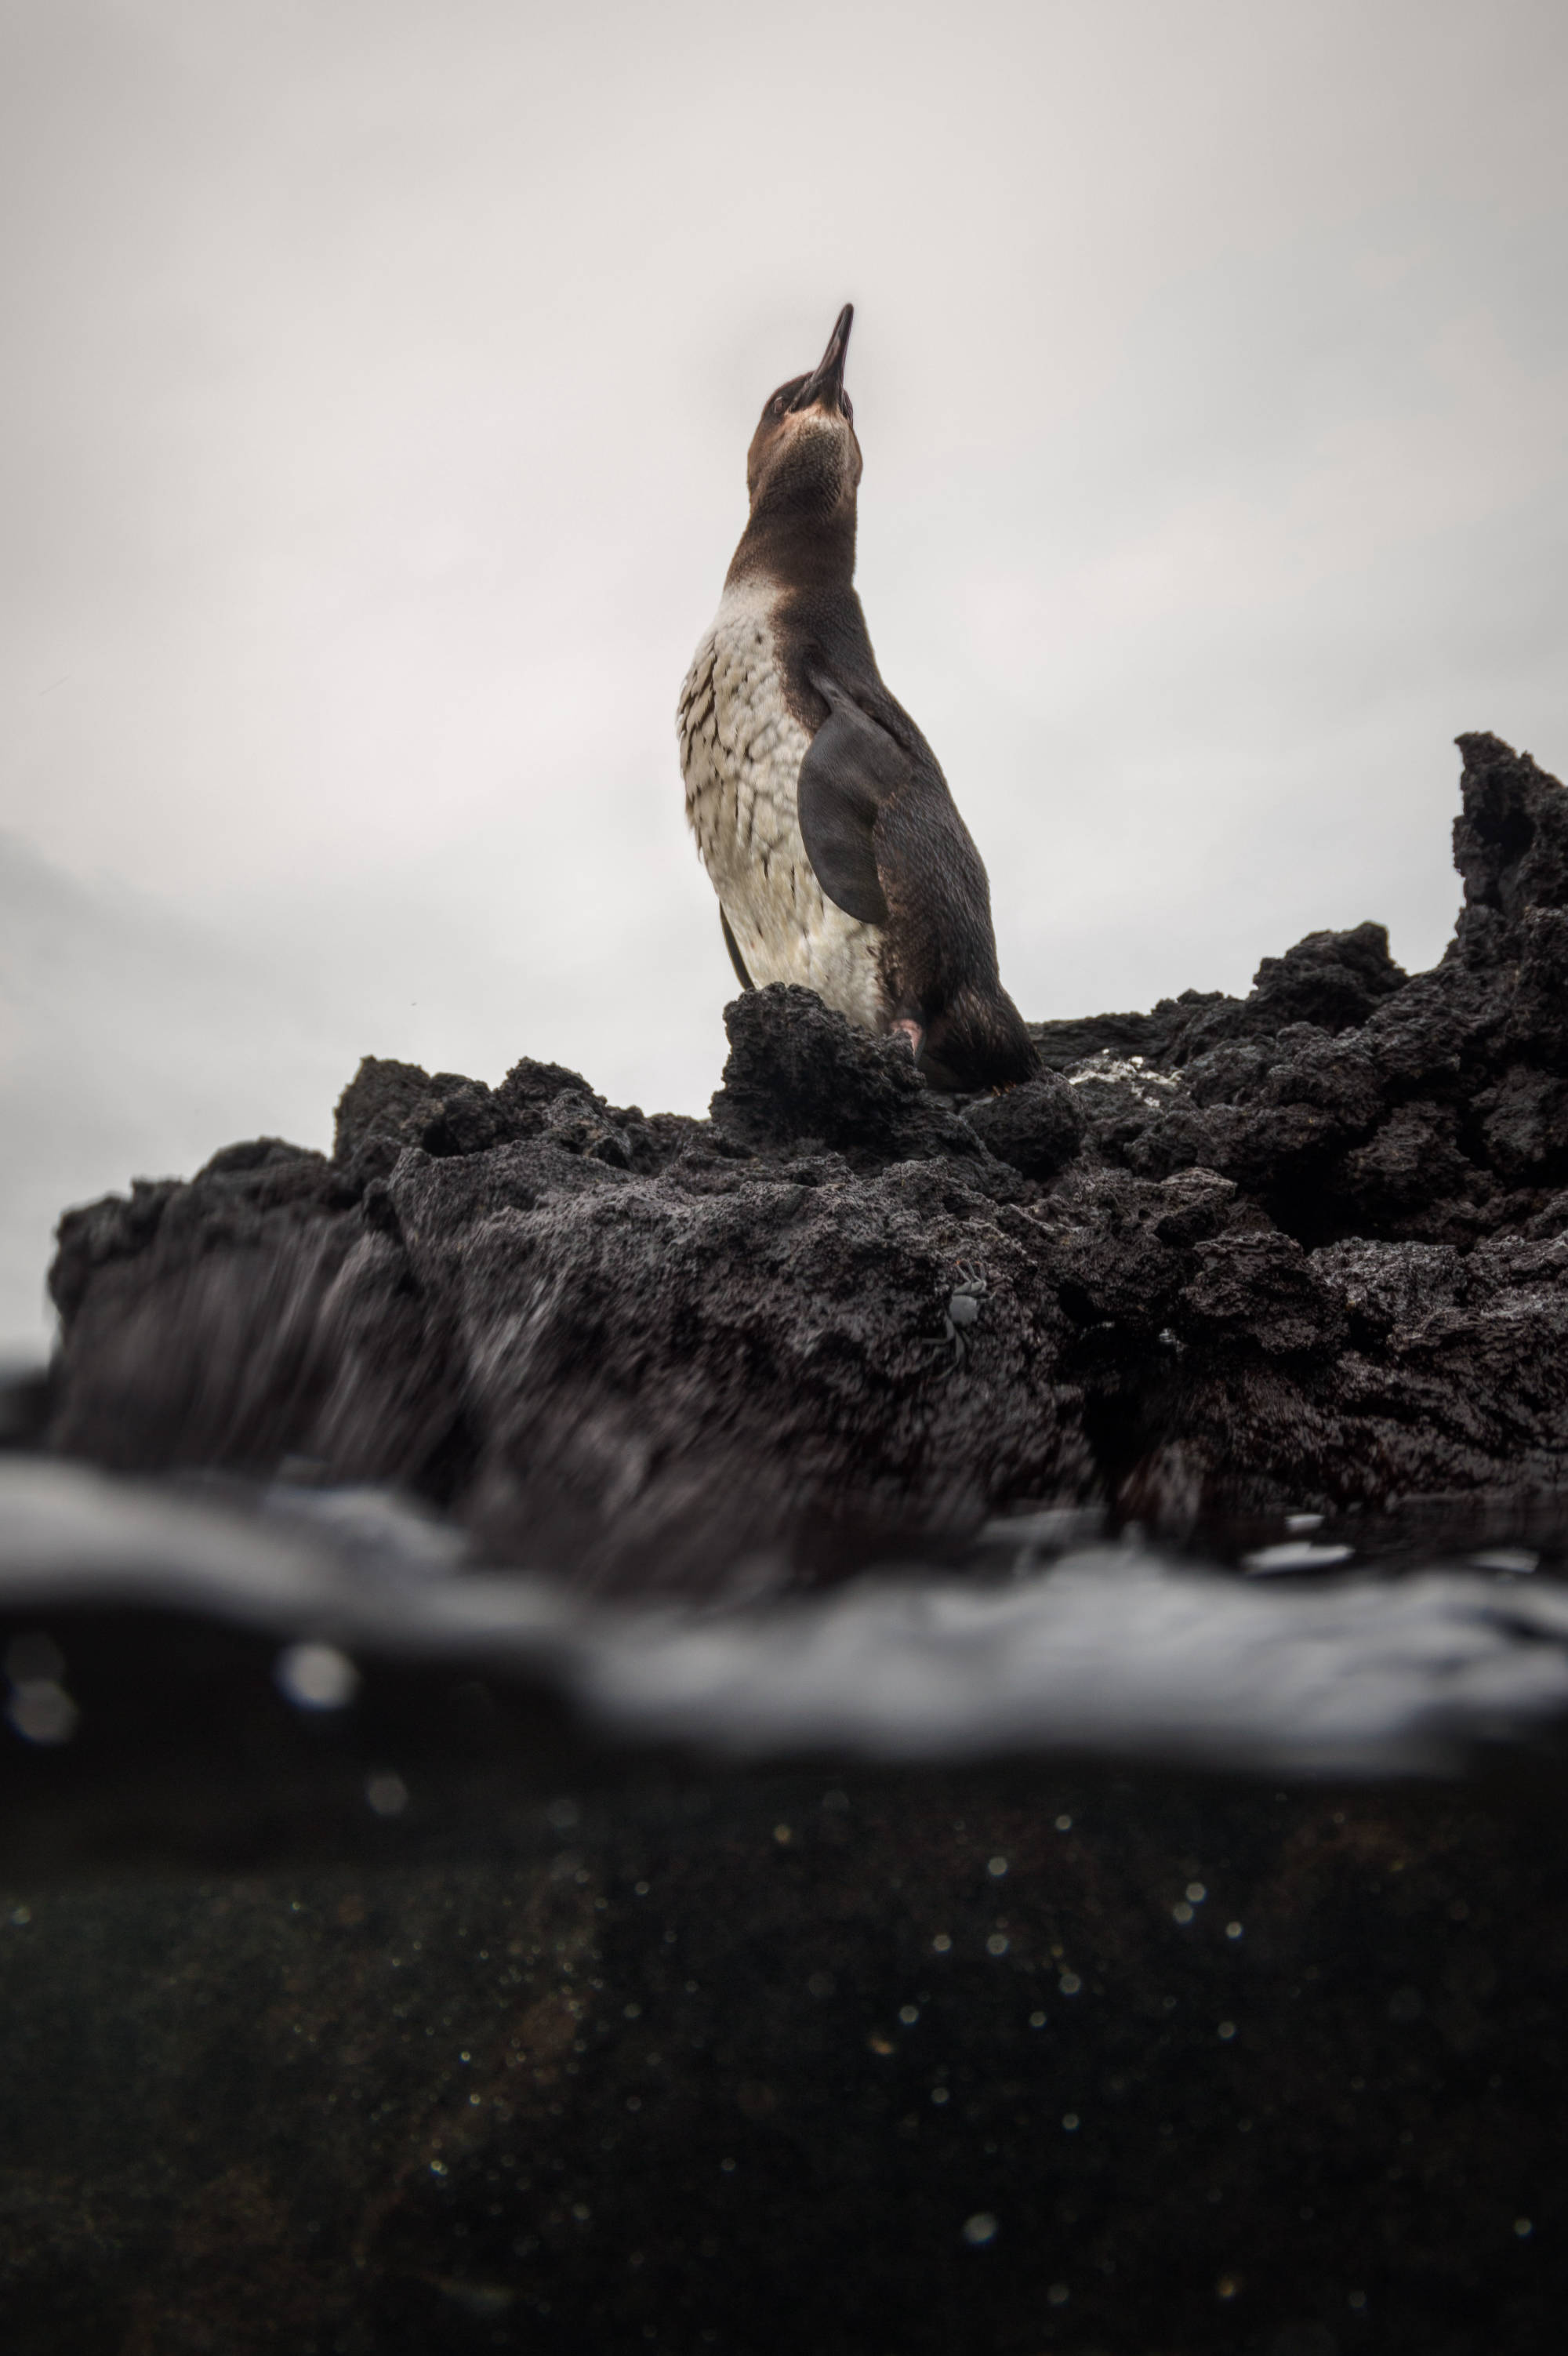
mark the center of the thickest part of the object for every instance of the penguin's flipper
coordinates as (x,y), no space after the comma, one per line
(852,767)
(735,956)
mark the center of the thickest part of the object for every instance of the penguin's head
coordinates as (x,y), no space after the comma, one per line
(804,457)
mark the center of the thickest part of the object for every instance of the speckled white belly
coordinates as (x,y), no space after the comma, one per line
(741,750)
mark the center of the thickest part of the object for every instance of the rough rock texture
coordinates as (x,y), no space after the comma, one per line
(1309,1246)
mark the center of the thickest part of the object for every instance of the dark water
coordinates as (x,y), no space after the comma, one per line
(1093,1950)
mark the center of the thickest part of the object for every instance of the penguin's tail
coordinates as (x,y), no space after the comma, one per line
(978,1041)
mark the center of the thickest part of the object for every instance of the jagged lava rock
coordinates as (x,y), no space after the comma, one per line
(1037,1127)
(627,1349)
(797,1070)
(1308,1245)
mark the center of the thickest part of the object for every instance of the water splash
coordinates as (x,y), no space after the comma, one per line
(1099,1649)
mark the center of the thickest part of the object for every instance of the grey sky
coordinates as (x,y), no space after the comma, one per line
(377,381)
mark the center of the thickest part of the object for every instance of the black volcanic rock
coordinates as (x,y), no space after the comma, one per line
(1037,1127)
(1510,845)
(1307,1246)
(1062,1045)
(389,1105)
(798,1071)
(1332,982)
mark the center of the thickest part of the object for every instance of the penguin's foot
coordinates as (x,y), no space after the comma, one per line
(914,1032)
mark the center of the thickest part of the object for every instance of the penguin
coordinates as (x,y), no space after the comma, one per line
(819,811)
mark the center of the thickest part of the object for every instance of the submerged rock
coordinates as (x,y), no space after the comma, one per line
(1028,2061)
(1307,1247)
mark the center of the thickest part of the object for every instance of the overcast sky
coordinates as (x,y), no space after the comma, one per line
(377,384)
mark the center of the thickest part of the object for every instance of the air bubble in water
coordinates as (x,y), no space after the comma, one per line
(316,1676)
(41,1711)
(387,1793)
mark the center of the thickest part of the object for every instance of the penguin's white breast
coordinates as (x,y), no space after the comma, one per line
(741,749)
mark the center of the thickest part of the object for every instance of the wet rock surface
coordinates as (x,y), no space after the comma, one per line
(1306,1248)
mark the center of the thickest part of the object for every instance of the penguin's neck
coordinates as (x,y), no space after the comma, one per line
(794,549)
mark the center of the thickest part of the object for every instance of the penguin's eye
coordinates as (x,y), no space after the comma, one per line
(776,405)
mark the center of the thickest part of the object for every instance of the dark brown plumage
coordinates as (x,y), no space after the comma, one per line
(786,719)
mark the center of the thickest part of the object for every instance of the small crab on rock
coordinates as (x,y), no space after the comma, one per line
(961,1311)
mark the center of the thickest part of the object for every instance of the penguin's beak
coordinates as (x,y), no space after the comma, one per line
(825,384)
